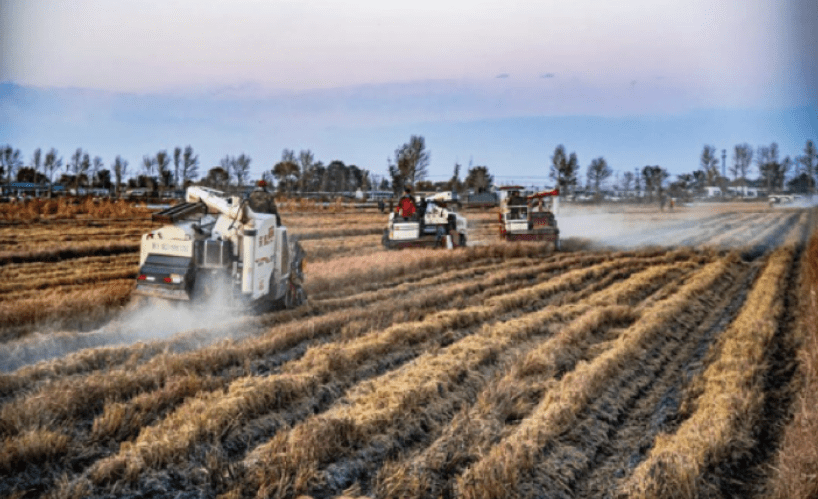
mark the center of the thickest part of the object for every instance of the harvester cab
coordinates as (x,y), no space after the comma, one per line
(215,247)
(434,223)
(529,217)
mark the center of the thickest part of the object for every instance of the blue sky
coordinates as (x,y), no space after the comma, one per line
(497,83)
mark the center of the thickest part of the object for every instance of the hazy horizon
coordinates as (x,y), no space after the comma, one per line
(498,84)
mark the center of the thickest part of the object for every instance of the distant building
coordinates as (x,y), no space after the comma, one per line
(713,192)
(30,189)
(743,191)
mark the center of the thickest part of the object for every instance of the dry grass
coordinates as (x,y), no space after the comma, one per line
(473,432)
(37,209)
(206,415)
(501,471)
(455,367)
(65,305)
(795,474)
(407,399)
(731,398)
(31,447)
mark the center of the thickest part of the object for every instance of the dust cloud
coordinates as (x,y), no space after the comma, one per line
(625,230)
(177,326)
(691,224)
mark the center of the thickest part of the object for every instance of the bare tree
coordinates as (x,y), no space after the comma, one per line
(73,166)
(809,161)
(177,157)
(564,169)
(783,170)
(598,172)
(147,165)
(10,161)
(411,162)
(120,172)
(190,165)
(241,168)
(742,159)
(51,163)
(627,181)
(286,171)
(162,163)
(37,159)
(654,177)
(82,174)
(769,168)
(306,161)
(226,164)
(710,164)
(96,167)
(764,167)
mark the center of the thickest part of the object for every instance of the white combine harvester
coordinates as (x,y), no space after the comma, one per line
(432,224)
(529,218)
(216,246)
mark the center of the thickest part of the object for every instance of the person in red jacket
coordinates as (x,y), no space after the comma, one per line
(406,205)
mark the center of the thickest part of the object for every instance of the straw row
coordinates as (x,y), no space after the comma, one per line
(206,414)
(731,398)
(506,464)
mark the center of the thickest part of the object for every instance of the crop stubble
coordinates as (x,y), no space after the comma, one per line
(512,373)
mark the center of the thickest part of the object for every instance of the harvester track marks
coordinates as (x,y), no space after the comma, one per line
(747,469)
(508,399)
(569,457)
(654,409)
(363,370)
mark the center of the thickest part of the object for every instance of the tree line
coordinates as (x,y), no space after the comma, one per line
(81,170)
(302,173)
(773,172)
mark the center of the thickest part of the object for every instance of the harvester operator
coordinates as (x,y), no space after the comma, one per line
(406,205)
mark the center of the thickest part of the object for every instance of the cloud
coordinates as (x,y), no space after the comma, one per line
(502,75)
(547,75)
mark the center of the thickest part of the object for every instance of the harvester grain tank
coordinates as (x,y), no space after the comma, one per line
(529,217)
(224,247)
(434,223)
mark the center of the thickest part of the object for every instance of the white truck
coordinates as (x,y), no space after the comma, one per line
(216,247)
(434,224)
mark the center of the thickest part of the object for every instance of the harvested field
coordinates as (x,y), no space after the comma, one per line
(664,357)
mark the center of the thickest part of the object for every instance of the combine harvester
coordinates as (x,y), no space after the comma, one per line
(221,247)
(431,223)
(529,218)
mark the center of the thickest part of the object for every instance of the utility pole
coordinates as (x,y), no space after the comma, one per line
(724,162)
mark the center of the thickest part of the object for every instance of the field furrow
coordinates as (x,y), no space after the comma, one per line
(656,355)
(725,419)
(511,465)
(510,399)
(299,379)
